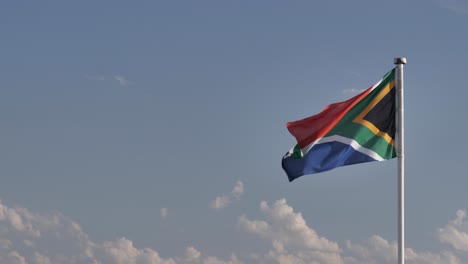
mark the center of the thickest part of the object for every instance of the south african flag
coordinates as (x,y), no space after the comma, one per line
(361,129)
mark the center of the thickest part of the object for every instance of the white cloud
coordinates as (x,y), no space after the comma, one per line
(224,200)
(238,190)
(455,232)
(123,81)
(192,254)
(38,238)
(293,241)
(21,220)
(40,259)
(28,237)
(12,257)
(378,250)
(28,243)
(220,202)
(122,251)
(164,212)
(214,260)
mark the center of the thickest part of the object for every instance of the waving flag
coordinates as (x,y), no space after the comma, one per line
(361,129)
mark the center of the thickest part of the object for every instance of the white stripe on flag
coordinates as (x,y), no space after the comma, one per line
(377,84)
(344,140)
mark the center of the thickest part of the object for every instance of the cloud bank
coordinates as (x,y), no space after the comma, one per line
(455,233)
(28,237)
(293,241)
(45,238)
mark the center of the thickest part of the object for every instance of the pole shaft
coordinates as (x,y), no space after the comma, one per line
(401,158)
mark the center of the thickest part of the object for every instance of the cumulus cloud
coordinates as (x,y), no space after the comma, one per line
(238,190)
(455,232)
(378,250)
(220,202)
(12,257)
(192,255)
(224,200)
(46,238)
(293,241)
(28,237)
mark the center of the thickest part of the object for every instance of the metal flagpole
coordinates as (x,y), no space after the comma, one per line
(400,62)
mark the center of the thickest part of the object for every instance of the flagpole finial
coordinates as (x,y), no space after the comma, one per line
(401,60)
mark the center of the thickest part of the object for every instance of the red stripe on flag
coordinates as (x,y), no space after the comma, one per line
(309,129)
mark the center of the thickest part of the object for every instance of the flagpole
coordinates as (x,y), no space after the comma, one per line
(400,62)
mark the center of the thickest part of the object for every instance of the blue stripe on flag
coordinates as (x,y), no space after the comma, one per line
(323,157)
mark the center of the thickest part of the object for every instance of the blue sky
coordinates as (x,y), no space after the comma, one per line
(153,131)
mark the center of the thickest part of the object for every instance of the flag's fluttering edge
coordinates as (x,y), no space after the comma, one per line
(358,130)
